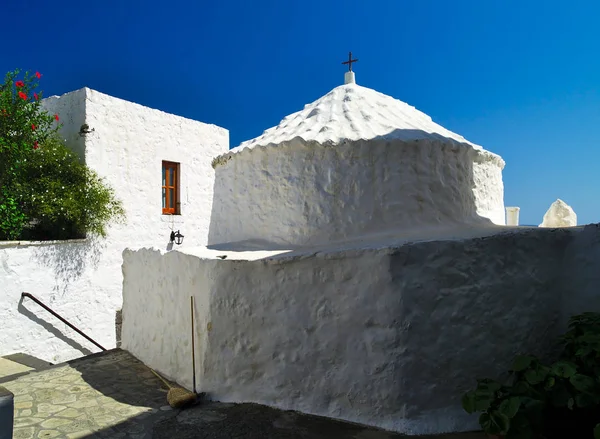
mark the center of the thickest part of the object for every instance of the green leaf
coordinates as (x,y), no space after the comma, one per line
(522,362)
(570,403)
(509,407)
(583,383)
(563,369)
(488,385)
(468,402)
(483,401)
(583,400)
(537,375)
(597,431)
(494,423)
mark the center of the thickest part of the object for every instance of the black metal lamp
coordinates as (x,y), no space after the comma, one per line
(176,237)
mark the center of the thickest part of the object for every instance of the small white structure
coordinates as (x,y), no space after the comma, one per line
(512,216)
(145,155)
(352,164)
(560,214)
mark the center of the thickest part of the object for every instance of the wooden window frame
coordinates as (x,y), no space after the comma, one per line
(174,168)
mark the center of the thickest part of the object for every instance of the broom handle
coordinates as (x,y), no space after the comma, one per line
(193,349)
(161,378)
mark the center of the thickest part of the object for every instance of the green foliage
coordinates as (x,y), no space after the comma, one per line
(46,193)
(68,200)
(524,406)
(12,219)
(597,432)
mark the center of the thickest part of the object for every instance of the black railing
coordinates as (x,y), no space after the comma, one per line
(40,303)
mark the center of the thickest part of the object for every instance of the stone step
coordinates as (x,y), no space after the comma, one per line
(15,365)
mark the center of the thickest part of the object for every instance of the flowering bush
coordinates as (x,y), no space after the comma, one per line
(45,192)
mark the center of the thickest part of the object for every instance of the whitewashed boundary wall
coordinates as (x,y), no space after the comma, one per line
(388,337)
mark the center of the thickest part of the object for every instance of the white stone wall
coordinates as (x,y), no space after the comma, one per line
(83,281)
(488,188)
(302,193)
(389,337)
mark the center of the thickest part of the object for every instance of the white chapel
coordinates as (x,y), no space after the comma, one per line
(352,164)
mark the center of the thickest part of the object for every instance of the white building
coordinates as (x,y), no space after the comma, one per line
(317,293)
(160,167)
(352,164)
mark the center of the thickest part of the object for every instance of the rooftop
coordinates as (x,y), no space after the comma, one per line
(352,112)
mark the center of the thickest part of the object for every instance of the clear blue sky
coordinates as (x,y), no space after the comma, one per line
(520,78)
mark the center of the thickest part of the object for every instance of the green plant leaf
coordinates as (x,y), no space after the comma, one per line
(583,400)
(563,369)
(478,400)
(522,362)
(537,375)
(488,385)
(494,423)
(583,383)
(468,402)
(509,407)
(597,431)
(570,403)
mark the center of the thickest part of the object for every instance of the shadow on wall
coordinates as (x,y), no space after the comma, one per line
(580,275)
(260,197)
(485,300)
(69,260)
(50,327)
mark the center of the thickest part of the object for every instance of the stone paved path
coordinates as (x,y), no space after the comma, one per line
(96,394)
(113,395)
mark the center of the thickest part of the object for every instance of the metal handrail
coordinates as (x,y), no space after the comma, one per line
(40,303)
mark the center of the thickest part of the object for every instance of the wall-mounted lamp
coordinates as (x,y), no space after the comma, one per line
(176,237)
(85,129)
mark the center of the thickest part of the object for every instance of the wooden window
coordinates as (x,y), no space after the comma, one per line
(170,188)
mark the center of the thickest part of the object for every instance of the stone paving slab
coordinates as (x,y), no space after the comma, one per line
(15,365)
(90,397)
(113,395)
(9,368)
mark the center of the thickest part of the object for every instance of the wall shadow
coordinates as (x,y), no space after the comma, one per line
(50,327)
(69,260)
(392,154)
(249,421)
(118,374)
(473,305)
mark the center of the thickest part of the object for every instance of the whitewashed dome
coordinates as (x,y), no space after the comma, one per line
(349,113)
(352,163)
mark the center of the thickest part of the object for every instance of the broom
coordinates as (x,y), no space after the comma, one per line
(178,397)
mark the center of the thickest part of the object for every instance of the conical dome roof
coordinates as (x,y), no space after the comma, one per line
(351,112)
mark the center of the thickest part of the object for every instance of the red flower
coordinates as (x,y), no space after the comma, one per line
(38,75)
(33,127)
(35,95)
(22,95)
(56,117)
(19,84)
(35,145)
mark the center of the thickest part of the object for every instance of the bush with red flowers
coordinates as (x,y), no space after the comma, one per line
(45,192)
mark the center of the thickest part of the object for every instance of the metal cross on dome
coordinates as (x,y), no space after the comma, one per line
(350,61)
